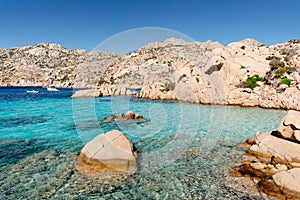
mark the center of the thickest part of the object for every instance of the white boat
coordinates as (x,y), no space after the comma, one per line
(32,91)
(52,89)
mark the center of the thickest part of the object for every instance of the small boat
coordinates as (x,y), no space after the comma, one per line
(32,91)
(52,89)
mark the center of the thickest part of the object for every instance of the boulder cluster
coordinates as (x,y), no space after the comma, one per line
(130,115)
(273,159)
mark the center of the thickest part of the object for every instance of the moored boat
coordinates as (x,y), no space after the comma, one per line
(52,89)
(32,91)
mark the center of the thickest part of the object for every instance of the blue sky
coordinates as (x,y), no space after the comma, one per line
(84,24)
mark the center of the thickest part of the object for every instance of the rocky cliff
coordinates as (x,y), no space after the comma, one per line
(245,73)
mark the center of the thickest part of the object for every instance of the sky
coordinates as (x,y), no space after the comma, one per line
(83,24)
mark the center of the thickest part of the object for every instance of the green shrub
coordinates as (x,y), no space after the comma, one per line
(281,71)
(283,53)
(168,87)
(281,64)
(243,67)
(251,81)
(286,58)
(286,81)
(272,58)
(197,79)
(291,70)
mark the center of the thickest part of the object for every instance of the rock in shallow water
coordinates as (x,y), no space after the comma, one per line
(268,147)
(109,153)
(276,167)
(88,93)
(284,185)
(130,116)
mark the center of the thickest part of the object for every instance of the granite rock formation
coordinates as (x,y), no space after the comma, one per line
(107,154)
(245,73)
(273,160)
(130,116)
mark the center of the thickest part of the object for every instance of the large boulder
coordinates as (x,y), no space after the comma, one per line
(284,185)
(268,147)
(289,182)
(289,127)
(109,153)
(88,93)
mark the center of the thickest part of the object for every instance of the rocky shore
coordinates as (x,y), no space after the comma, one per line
(273,159)
(245,73)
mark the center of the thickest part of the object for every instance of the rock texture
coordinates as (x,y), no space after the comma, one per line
(289,127)
(273,160)
(196,72)
(109,153)
(128,117)
(88,93)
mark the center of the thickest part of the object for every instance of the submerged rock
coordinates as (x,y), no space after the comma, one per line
(109,153)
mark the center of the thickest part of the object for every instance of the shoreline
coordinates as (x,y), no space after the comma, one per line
(244,73)
(163,100)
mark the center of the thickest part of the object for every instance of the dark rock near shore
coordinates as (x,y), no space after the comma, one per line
(130,116)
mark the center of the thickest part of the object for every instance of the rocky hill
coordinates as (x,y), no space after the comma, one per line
(245,73)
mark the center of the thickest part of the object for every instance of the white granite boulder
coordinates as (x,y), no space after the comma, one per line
(289,127)
(289,183)
(87,93)
(268,147)
(109,153)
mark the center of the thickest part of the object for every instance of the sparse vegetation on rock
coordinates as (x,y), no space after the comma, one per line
(157,71)
(286,81)
(251,81)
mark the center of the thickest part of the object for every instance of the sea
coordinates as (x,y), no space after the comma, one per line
(186,151)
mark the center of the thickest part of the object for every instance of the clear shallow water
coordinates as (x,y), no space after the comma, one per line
(186,150)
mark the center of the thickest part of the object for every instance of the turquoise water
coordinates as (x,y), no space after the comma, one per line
(186,150)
